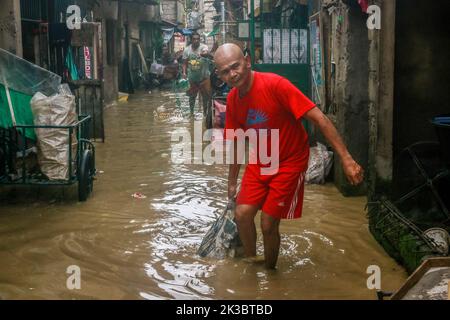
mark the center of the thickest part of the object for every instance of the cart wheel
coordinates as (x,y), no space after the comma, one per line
(85,175)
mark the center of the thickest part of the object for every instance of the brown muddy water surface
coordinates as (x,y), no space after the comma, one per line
(129,248)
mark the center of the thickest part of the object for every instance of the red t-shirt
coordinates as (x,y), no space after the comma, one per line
(273,102)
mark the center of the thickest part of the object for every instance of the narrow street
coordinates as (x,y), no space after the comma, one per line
(132,248)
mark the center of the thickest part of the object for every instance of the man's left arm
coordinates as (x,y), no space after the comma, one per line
(353,171)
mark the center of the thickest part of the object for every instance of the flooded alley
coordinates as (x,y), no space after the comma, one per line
(145,247)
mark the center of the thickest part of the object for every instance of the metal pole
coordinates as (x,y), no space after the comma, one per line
(222,5)
(8,97)
(251,28)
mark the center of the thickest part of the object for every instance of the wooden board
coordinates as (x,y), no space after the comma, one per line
(410,290)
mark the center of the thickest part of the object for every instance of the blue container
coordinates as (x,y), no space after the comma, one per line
(442,127)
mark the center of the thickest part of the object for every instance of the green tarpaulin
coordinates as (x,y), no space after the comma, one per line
(22,110)
(23,79)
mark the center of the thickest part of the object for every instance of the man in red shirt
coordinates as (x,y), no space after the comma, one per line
(265,102)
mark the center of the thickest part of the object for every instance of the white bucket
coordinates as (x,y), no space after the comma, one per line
(440,238)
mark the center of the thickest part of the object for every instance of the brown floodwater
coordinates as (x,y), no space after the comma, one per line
(131,248)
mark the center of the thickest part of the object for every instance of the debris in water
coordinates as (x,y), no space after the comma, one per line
(123,97)
(138,195)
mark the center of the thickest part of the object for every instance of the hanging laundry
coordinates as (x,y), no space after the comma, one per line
(70,65)
(364,5)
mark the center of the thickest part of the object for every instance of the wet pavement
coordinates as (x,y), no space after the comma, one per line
(145,247)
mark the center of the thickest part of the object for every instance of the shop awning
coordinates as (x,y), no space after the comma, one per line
(168,24)
(185,32)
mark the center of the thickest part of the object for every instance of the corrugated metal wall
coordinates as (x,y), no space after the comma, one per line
(46,10)
(59,7)
(35,10)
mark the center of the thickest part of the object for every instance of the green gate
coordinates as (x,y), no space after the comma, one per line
(279,41)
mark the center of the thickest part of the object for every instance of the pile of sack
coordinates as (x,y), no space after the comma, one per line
(53,144)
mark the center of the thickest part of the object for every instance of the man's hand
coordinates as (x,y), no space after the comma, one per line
(353,171)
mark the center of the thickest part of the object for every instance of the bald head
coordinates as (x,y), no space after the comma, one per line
(228,52)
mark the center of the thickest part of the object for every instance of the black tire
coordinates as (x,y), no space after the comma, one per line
(85,175)
(2,163)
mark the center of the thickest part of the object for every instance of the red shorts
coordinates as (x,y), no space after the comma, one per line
(279,195)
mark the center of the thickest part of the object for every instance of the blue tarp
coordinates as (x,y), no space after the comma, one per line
(167,34)
(186,32)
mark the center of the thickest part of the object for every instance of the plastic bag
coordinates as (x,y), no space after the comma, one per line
(22,79)
(53,144)
(319,165)
(157,68)
(222,239)
(25,77)
(182,85)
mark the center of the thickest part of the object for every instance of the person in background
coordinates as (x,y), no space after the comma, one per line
(196,69)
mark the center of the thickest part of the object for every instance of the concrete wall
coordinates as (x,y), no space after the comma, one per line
(351,91)
(348,36)
(108,10)
(133,14)
(10,26)
(173,11)
(381,101)
(169,10)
